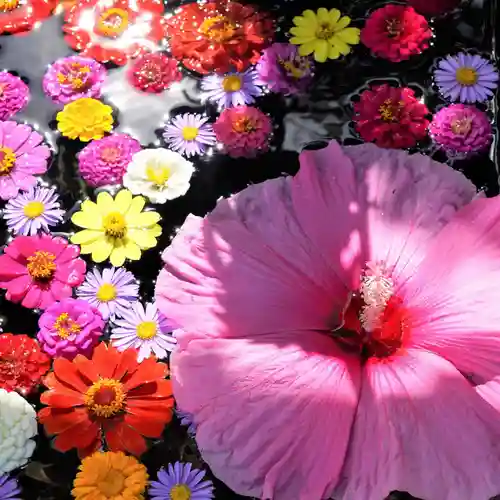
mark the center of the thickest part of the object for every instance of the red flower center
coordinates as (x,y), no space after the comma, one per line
(105,398)
(220,29)
(41,265)
(394,27)
(8,5)
(112,22)
(244,125)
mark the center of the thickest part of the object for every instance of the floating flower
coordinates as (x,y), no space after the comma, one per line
(9,489)
(22,156)
(33,211)
(114,31)
(283,70)
(324,34)
(110,395)
(396,32)
(159,174)
(465,77)
(70,327)
(22,363)
(112,292)
(461,130)
(187,421)
(85,119)
(190,134)
(73,77)
(17,16)
(392,117)
(435,7)
(144,329)
(14,95)
(17,427)
(244,131)
(180,481)
(154,73)
(116,228)
(218,36)
(104,161)
(39,270)
(109,476)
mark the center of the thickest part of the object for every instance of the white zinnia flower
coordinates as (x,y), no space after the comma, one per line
(159,174)
(17,427)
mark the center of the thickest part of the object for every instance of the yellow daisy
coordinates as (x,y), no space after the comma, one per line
(110,476)
(85,119)
(116,228)
(325,33)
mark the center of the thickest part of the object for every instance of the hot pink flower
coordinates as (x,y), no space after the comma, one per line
(39,270)
(341,331)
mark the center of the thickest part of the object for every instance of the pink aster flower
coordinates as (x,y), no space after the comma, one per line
(104,161)
(348,317)
(14,95)
(70,327)
(39,270)
(22,156)
(243,131)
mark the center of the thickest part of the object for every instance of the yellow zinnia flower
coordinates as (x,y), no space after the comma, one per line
(110,475)
(324,33)
(85,119)
(115,228)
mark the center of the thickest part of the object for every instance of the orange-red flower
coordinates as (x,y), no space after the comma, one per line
(110,397)
(17,16)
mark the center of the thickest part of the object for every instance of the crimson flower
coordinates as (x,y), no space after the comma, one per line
(154,73)
(391,117)
(18,15)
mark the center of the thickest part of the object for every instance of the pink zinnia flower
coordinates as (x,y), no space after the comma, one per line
(341,331)
(39,270)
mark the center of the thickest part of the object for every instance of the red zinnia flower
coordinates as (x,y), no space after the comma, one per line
(391,117)
(396,32)
(17,16)
(22,363)
(154,73)
(434,7)
(218,36)
(110,396)
(116,31)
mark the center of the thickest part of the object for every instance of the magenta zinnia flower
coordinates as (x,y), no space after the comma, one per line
(345,317)
(14,95)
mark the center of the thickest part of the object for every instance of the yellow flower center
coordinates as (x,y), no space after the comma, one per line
(146,330)
(41,265)
(7,160)
(292,69)
(113,484)
(389,110)
(461,126)
(180,492)
(393,27)
(112,22)
(244,125)
(65,326)
(105,398)
(467,76)
(33,209)
(158,174)
(325,31)
(190,133)
(115,225)
(76,75)
(218,28)
(8,5)
(106,292)
(232,83)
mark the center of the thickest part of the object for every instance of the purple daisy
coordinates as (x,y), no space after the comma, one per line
(233,89)
(70,327)
(73,77)
(145,329)
(466,77)
(112,292)
(14,95)
(9,489)
(460,130)
(189,134)
(180,480)
(283,70)
(22,156)
(33,211)
(104,161)
(187,421)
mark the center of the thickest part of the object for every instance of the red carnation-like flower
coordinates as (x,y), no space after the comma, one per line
(114,32)
(396,32)
(18,15)
(434,7)
(154,73)
(391,117)
(22,363)
(219,36)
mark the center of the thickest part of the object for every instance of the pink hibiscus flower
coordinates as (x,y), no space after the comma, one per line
(40,270)
(341,331)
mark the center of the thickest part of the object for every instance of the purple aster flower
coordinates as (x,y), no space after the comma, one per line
(33,211)
(104,161)
(111,292)
(233,89)
(70,327)
(180,480)
(14,95)
(70,78)
(22,156)
(145,329)
(460,130)
(186,420)
(283,70)
(189,134)
(466,77)
(9,489)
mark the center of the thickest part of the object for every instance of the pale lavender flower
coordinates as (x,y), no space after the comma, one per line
(187,421)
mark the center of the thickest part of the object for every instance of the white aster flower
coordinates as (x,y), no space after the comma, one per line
(17,427)
(159,174)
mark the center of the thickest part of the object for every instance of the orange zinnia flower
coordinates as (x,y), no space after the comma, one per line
(110,396)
